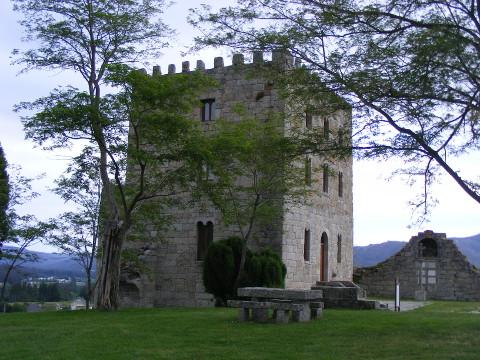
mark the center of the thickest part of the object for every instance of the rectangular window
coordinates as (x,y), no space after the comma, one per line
(308,120)
(340,184)
(325,178)
(339,248)
(308,171)
(306,246)
(204,238)
(208,109)
(427,274)
(326,129)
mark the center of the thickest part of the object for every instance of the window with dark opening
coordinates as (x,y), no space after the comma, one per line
(308,120)
(339,248)
(204,238)
(208,109)
(428,248)
(306,246)
(326,129)
(340,184)
(325,178)
(308,171)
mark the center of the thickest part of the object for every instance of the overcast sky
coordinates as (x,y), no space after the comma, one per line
(381,210)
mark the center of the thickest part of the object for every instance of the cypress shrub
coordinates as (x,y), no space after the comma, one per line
(265,268)
(222,262)
(219,271)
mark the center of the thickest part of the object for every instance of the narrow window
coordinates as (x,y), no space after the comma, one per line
(341,135)
(339,248)
(308,120)
(325,178)
(204,238)
(208,109)
(340,184)
(326,129)
(306,246)
(308,171)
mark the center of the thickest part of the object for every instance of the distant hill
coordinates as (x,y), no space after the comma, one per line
(370,255)
(49,264)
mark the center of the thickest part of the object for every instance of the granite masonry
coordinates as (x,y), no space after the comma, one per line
(429,266)
(315,241)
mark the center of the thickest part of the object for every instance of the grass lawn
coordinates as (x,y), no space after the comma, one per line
(443,330)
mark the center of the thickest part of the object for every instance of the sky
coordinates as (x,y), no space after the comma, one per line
(381,210)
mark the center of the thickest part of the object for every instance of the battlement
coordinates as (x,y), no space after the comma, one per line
(281,59)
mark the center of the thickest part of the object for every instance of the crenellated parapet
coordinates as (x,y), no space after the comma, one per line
(281,59)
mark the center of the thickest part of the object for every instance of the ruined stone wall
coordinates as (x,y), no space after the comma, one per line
(446,275)
(176,276)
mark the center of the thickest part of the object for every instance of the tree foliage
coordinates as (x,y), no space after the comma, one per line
(254,173)
(76,232)
(95,39)
(409,69)
(23,230)
(4,199)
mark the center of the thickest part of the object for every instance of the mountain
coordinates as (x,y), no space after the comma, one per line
(49,264)
(370,255)
(374,253)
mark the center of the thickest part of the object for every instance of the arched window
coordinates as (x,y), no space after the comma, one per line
(208,110)
(306,245)
(427,248)
(204,238)
(339,248)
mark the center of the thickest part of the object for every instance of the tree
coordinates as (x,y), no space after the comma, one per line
(76,232)
(409,69)
(23,230)
(253,172)
(4,199)
(94,38)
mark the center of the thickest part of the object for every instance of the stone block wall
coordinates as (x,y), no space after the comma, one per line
(175,277)
(444,275)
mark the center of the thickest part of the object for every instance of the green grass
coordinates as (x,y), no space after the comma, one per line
(443,330)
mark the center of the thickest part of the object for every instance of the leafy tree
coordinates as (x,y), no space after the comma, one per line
(408,68)
(4,199)
(76,232)
(23,231)
(94,38)
(254,172)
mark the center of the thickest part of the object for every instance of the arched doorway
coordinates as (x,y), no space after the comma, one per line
(324,257)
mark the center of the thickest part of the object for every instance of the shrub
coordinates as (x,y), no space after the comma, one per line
(265,268)
(219,270)
(222,263)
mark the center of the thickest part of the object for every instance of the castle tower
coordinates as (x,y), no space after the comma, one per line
(315,241)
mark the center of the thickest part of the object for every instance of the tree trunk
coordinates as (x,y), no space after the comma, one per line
(109,277)
(89,291)
(241,267)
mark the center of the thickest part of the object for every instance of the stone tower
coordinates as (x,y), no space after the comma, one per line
(315,241)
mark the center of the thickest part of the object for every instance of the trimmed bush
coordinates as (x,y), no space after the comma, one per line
(222,263)
(265,268)
(219,271)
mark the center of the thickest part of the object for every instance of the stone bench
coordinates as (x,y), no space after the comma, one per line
(281,310)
